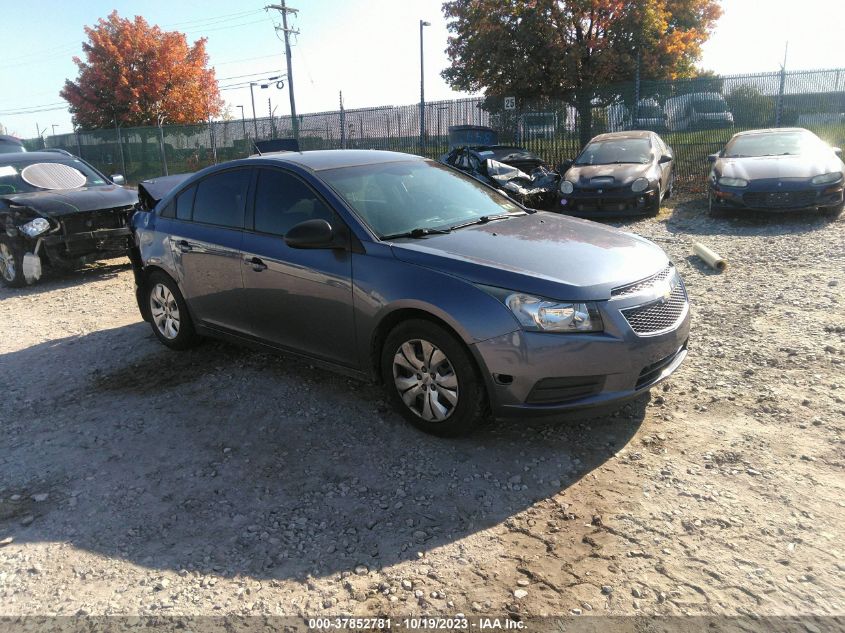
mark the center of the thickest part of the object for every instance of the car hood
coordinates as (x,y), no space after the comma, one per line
(545,254)
(624,174)
(761,167)
(59,203)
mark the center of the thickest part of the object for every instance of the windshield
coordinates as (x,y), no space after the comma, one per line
(395,198)
(773,144)
(650,112)
(619,150)
(40,175)
(710,106)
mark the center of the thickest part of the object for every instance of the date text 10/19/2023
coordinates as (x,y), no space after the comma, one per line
(457,623)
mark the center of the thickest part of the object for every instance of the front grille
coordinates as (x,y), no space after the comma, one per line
(650,373)
(779,199)
(643,284)
(557,390)
(88,221)
(658,315)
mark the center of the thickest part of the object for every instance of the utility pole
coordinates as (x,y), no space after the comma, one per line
(252,98)
(422,89)
(243,119)
(284,10)
(779,111)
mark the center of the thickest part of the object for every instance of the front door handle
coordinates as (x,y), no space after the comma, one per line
(184,246)
(256,263)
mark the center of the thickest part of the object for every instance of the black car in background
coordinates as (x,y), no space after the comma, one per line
(521,174)
(780,169)
(616,174)
(58,209)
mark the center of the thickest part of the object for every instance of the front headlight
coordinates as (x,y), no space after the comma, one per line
(566,187)
(640,184)
(545,315)
(826,179)
(733,182)
(35,227)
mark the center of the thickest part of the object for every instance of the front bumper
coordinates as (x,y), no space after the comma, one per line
(776,196)
(591,203)
(533,373)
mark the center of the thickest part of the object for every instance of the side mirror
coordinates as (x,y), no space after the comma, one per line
(118,179)
(837,151)
(665,159)
(311,234)
(713,158)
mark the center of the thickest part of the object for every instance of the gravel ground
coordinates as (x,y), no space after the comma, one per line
(135,480)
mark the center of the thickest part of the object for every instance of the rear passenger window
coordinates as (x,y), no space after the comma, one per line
(184,203)
(220,199)
(282,201)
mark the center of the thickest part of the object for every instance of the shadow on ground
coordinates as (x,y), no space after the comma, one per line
(55,279)
(234,462)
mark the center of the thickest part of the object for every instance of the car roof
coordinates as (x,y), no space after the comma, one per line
(609,136)
(28,157)
(772,130)
(318,160)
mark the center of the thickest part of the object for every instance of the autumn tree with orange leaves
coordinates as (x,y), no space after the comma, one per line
(135,74)
(570,49)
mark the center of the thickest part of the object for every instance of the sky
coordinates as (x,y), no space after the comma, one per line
(369,49)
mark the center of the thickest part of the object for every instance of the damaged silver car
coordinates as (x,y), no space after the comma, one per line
(58,210)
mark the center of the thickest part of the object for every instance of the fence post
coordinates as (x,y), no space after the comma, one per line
(342,123)
(78,144)
(161,148)
(120,148)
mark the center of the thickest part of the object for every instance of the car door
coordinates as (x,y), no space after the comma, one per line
(206,243)
(298,299)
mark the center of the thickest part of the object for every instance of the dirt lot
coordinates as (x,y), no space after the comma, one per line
(135,480)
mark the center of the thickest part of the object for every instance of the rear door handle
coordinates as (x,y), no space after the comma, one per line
(256,263)
(184,246)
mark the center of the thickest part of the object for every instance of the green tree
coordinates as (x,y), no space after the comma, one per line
(750,107)
(571,49)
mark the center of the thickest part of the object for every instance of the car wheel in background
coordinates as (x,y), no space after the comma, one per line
(11,262)
(168,311)
(432,380)
(834,211)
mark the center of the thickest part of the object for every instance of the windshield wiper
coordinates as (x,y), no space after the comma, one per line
(416,233)
(484,219)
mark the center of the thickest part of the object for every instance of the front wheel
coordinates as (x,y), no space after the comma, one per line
(11,262)
(432,380)
(169,316)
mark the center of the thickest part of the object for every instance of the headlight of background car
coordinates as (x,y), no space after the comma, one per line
(35,227)
(640,184)
(825,179)
(544,315)
(566,187)
(733,182)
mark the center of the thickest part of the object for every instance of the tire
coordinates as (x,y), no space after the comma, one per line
(169,316)
(655,207)
(11,262)
(451,400)
(834,211)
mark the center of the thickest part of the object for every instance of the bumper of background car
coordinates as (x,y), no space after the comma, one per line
(534,373)
(614,202)
(776,197)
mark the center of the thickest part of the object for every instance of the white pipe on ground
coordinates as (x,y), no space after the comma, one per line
(711,258)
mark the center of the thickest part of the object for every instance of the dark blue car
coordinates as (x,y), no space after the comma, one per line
(784,169)
(389,266)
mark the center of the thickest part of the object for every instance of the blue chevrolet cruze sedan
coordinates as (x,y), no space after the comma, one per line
(393,267)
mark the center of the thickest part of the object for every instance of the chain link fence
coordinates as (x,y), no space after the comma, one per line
(695,117)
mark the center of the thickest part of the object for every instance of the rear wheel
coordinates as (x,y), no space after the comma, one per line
(11,262)
(169,316)
(432,380)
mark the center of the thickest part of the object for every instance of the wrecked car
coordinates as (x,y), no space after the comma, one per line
(57,209)
(519,173)
(10,145)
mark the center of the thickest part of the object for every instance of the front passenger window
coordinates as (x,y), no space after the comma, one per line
(283,201)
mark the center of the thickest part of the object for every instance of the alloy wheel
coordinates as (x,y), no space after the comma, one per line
(7,263)
(165,311)
(426,380)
